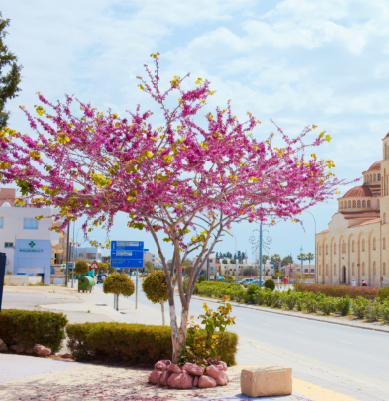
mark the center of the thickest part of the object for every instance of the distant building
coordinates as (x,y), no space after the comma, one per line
(153,258)
(89,254)
(30,247)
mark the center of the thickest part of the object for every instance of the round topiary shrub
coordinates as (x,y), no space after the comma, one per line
(270,284)
(155,288)
(81,267)
(118,284)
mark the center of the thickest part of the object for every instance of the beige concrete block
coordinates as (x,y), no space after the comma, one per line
(266,381)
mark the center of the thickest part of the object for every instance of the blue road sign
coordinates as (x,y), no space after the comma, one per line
(127,254)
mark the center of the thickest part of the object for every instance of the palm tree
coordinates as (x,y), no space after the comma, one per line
(265,258)
(301,257)
(276,259)
(310,256)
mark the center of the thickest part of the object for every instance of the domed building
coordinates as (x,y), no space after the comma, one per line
(354,245)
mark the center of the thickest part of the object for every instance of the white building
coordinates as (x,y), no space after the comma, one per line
(28,243)
(89,254)
(153,258)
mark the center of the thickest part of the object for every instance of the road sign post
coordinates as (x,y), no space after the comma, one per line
(128,254)
(2,275)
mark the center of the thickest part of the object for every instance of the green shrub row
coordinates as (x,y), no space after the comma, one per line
(343,290)
(132,343)
(310,302)
(32,327)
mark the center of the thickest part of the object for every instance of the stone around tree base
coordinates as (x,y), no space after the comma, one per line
(266,381)
(3,347)
(41,350)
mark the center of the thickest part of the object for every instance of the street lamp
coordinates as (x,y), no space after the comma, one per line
(261,243)
(315,243)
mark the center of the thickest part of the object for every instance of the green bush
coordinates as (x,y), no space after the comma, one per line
(132,343)
(343,305)
(290,299)
(373,311)
(202,278)
(327,305)
(270,284)
(385,311)
(359,306)
(383,293)
(32,327)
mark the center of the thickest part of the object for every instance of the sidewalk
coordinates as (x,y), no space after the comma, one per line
(65,381)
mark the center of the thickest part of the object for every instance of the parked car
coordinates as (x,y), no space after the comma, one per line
(247,281)
(100,278)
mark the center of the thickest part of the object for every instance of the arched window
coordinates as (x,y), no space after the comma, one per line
(384,218)
(335,269)
(384,269)
(319,270)
(384,243)
(345,204)
(363,245)
(368,203)
(378,203)
(327,249)
(363,203)
(353,269)
(363,269)
(354,203)
(327,270)
(359,204)
(374,177)
(334,249)
(374,269)
(352,247)
(349,204)
(340,205)
(373,244)
(371,178)
(344,247)
(379,177)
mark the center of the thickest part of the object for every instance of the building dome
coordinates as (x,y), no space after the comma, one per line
(386,135)
(5,204)
(375,166)
(359,191)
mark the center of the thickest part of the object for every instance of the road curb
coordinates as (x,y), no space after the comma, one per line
(294,314)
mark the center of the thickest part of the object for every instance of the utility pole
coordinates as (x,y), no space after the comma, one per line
(67,258)
(74,256)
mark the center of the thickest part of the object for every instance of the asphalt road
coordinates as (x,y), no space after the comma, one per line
(364,352)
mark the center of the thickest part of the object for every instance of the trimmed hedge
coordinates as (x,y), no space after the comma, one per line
(132,343)
(339,290)
(32,327)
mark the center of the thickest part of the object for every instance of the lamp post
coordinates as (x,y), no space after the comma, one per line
(315,242)
(261,243)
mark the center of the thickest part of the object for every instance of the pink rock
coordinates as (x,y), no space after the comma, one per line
(206,382)
(195,381)
(162,365)
(180,380)
(164,378)
(223,379)
(41,350)
(174,368)
(222,366)
(155,376)
(213,371)
(193,369)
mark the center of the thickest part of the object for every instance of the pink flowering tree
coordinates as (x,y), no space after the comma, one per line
(188,181)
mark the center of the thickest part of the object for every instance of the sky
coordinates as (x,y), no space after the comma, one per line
(297,62)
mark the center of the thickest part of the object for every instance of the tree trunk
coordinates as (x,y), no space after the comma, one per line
(163,312)
(183,326)
(117,302)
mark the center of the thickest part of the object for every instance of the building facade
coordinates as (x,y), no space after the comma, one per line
(29,245)
(153,258)
(354,247)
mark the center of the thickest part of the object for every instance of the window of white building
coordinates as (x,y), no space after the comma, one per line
(8,245)
(1,222)
(30,224)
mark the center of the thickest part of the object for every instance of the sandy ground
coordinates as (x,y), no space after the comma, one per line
(54,289)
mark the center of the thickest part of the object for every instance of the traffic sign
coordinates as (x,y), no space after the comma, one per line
(127,254)
(63,266)
(94,265)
